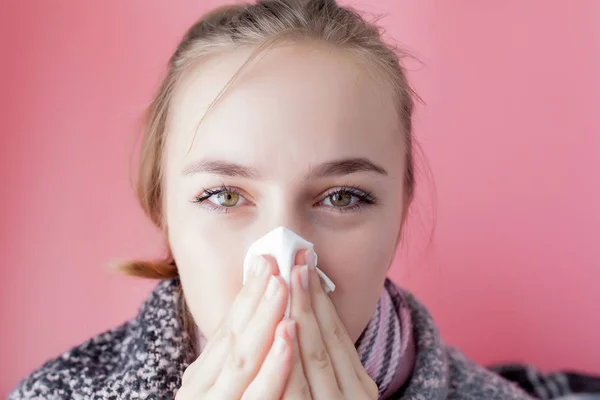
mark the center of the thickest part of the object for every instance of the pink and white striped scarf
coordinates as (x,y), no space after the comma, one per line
(386,347)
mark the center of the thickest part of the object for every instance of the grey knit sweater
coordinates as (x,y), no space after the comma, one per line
(145,359)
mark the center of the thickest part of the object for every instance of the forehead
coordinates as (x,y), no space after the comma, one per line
(292,103)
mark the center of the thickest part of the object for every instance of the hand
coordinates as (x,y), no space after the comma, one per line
(250,357)
(326,364)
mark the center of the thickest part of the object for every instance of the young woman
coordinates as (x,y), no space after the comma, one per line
(282,113)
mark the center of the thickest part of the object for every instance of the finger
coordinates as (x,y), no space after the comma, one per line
(316,362)
(351,375)
(251,346)
(242,309)
(271,380)
(300,258)
(297,386)
(217,344)
(260,329)
(305,257)
(246,302)
(201,375)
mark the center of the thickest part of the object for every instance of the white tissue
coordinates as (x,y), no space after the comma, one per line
(283,244)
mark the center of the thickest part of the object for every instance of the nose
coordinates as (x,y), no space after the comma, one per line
(295,223)
(290,215)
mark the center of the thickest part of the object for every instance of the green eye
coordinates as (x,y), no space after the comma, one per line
(340,199)
(227,199)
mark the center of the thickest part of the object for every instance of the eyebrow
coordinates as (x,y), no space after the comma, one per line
(334,168)
(222,168)
(343,167)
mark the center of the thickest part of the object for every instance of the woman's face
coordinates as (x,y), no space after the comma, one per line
(305,138)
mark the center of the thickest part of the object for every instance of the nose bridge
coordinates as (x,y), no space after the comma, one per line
(284,209)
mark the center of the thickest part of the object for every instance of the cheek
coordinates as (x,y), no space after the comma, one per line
(209,261)
(358,271)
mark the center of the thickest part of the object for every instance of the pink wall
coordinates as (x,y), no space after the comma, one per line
(511,130)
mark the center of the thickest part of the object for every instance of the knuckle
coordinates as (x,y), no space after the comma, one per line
(319,358)
(304,311)
(237,360)
(339,332)
(298,392)
(242,359)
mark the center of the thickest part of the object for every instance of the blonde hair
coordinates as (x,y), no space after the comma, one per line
(261,25)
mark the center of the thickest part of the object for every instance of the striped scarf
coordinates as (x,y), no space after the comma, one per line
(385,347)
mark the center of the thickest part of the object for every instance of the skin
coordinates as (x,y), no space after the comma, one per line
(271,137)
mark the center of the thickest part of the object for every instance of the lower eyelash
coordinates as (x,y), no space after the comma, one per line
(352,208)
(201,199)
(216,208)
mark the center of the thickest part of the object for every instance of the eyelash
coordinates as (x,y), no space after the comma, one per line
(208,193)
(364,198)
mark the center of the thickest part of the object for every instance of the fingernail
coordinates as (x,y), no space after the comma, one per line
(291,329)
(258,266)
(279,345)
(310,258)
(304,277)
(272,288)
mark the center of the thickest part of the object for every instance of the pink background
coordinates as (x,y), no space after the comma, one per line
(511,131)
